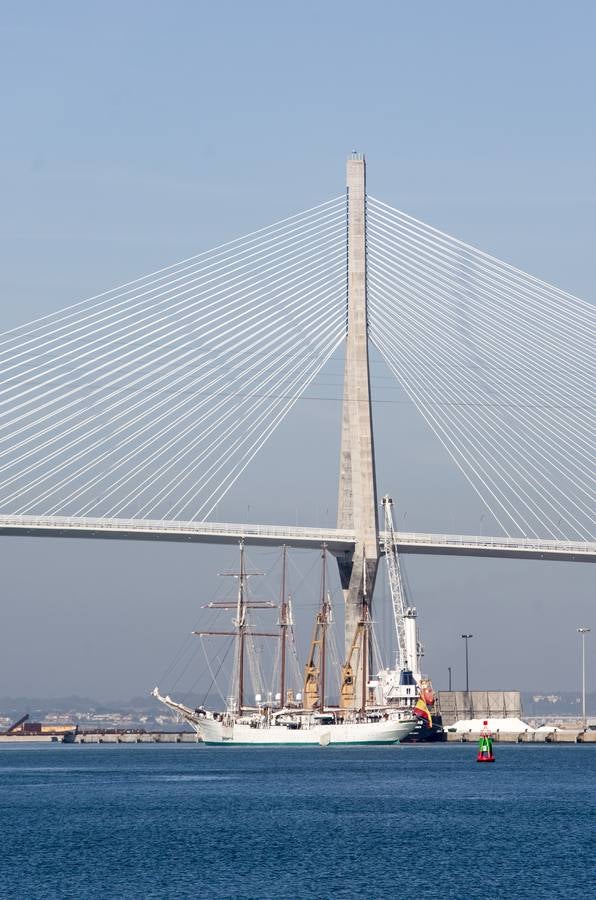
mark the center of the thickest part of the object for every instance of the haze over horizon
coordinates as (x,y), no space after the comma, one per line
(136,135)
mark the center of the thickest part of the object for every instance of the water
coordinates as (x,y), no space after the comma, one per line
(189,821)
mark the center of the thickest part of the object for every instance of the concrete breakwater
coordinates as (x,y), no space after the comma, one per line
(186,737)
(103,737)
(559,736)
(135,737)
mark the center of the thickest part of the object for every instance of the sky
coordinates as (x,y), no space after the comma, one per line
(137,134)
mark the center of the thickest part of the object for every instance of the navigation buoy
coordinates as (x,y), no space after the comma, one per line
(485,745)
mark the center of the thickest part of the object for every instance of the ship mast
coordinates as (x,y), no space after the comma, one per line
(324,617)
(242,627)
(240,623)
(365,643)
(315,668)
(358,658)
(284,622)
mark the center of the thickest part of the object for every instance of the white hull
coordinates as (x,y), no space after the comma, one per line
(290,728)
(216,732)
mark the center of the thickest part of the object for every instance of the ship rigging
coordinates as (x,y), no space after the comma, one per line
(306,716)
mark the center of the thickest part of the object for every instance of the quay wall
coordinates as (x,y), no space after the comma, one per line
(564,736)
(560,736)
(136,737)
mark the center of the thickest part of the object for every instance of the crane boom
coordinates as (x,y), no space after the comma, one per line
(404,685)
(395,584)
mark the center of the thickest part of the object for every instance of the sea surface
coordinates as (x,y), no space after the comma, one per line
(190,821)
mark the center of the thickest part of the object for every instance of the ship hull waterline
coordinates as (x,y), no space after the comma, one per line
(215,733)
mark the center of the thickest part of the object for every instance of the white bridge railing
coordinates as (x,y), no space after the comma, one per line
(535,545)
(167,528)
(294,536)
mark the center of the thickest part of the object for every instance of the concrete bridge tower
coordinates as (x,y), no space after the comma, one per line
(357,506)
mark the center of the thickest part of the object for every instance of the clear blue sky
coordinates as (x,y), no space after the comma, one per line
(134,134)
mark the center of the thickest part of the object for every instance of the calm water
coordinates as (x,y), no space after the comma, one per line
(404,822)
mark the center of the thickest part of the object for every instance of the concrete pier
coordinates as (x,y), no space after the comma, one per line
(560,736)
(136,737)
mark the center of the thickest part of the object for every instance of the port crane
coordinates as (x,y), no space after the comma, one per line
(400,684)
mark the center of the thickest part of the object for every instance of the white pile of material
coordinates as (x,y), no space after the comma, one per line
(475,726)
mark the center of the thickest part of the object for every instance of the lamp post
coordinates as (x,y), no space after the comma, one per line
(466,638)
(449,670)
(584,631)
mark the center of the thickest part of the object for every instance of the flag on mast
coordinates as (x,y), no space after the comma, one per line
(422,711)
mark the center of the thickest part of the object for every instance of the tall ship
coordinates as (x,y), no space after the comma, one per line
(395,704)
(289,718)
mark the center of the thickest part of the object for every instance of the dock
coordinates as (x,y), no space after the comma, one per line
(113,736)
(559,736)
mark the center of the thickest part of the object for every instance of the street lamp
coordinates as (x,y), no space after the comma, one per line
(584,631)
(466,638)
(449,670)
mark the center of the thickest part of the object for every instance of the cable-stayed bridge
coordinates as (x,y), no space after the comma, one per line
(133,413)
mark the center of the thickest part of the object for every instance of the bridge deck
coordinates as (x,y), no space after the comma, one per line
(307,538)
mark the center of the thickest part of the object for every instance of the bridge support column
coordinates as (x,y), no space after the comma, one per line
(357,506)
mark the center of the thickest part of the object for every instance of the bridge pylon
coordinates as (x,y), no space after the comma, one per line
(357,505)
